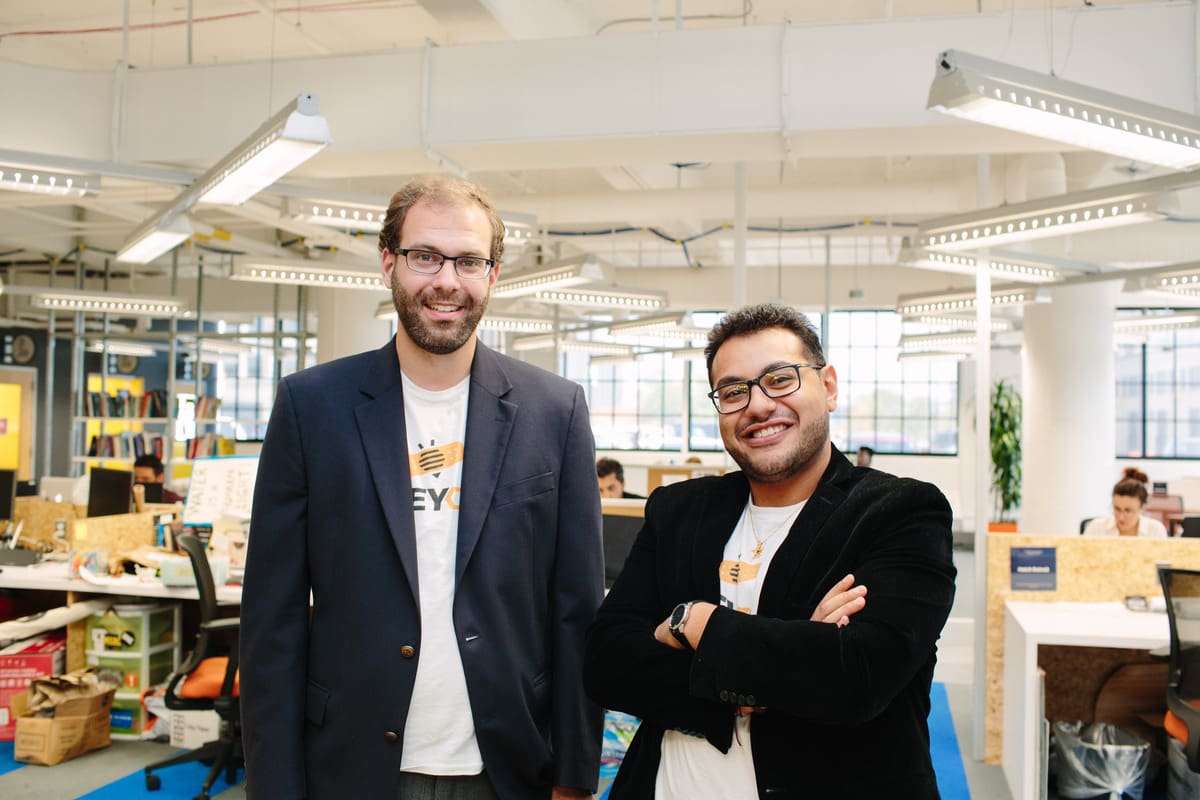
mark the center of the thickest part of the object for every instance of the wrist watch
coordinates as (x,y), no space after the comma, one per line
(676,622)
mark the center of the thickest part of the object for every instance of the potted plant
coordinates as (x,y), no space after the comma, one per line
(1005,440)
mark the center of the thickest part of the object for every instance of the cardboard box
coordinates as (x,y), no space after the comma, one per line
(20,663)
(77,727)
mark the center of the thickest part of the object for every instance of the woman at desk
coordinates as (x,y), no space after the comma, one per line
(1128,500)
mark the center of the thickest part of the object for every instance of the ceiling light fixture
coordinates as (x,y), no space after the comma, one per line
(285,141)
(300,274)
(559,275)
(994,93)
(41,181)
(964,300)
(121,348)
(963,323)
(155,237)
(1022,267)
(1152,322)
(338,215)
(108,303)
(645,300)
(932,355)
(937,341)
(1106,207)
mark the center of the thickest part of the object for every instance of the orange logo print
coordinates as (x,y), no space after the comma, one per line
(435,459)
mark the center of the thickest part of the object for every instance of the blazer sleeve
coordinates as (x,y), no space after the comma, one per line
(274,618)
(578,588)
(845,676)
(627,669)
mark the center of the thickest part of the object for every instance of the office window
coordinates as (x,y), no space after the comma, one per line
(1158,396)
(892,406)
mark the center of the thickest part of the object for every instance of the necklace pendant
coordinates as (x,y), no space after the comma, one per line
(757,550)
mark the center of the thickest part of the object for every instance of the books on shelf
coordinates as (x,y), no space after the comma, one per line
(208,444)
(207,407)
(127,406)
(127,445)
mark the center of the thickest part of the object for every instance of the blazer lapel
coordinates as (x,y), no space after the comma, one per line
(806,531)
(381,428)
(490,420)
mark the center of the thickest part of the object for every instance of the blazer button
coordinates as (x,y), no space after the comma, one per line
(391,737)
(408,651)
(741,700)
(750,700)
(724,695)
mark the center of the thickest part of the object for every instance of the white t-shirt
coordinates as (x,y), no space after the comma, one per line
(1107,526)
(691,768)
(439,736)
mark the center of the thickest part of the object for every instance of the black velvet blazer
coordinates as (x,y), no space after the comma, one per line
(846,707)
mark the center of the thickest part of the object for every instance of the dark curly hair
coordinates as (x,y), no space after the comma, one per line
(752,319)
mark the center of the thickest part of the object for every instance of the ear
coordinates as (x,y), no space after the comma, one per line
(387,263)
(830,381)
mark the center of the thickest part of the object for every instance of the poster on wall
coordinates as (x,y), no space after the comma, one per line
(1034,569)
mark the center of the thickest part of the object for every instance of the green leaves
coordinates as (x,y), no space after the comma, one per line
(1005,439)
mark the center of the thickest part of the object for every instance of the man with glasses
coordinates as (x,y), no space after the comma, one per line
(437,501)
(716,632)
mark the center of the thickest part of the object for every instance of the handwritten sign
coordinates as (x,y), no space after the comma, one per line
(220,488)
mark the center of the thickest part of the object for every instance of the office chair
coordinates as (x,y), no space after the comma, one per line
(1181,588)
(207,681)
(1084,523)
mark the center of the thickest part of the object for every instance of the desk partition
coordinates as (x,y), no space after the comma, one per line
(1088,570)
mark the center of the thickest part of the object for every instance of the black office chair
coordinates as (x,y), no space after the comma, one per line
(1083,525)
(1181,588)
(207,681)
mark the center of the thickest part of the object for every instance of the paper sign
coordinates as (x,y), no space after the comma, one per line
(1034,569)
(220,488)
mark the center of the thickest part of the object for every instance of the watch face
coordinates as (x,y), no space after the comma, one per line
(677,616)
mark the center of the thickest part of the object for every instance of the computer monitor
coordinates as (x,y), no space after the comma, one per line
(110,491)
(8,493)
(56,489)
(154,492)
(619,530)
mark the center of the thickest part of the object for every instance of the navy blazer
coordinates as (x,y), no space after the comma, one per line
(325,693)
(846,708)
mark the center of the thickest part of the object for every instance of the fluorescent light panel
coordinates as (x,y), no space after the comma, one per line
(950,302)
(1151,322)
(931,355)
(41,181)
(937,341)
(597,297)
(293,274)
(994,93)
(291,137)
(1036,219)
(122,349)
(560,275)
(108,303)
(963,323)
(1023,268)
(341,215)
(154,238)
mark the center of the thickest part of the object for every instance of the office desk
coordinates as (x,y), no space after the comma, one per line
(1029,625)
(53,576)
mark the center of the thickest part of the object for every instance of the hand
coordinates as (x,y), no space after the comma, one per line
(566,792)
(841,602)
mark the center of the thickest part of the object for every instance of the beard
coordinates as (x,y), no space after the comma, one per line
(439,338)
(775,467)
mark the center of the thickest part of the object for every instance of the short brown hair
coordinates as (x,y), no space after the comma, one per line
(752,319)
(438,189)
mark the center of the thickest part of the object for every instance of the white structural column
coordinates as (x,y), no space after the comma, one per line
(346,322)
(1069,425)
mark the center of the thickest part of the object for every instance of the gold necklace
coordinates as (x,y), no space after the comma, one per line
(760,541)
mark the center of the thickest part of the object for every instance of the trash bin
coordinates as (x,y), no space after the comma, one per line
(1182,783)
(1099,760)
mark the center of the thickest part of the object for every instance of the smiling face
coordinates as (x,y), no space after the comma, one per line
(781,444)
(439,313)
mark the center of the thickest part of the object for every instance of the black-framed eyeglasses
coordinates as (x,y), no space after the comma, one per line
(775,382)
(427,262)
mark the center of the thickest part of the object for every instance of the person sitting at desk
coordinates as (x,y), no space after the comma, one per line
(149,469)
(1128,500)
(611,476)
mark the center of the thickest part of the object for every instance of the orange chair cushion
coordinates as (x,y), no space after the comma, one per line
(1175,726)
(206,679)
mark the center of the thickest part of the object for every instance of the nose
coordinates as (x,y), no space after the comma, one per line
(759,402)
(447,278)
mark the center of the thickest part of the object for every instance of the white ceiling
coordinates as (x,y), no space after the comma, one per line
(589,115)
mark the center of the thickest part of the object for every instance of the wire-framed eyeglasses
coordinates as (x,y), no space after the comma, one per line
(428,262)
(775,382)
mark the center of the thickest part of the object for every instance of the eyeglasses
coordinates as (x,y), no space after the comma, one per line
(427,262)
(774,383)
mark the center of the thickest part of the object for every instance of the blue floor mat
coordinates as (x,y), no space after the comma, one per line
(943,747)
(180,782)
(6,758)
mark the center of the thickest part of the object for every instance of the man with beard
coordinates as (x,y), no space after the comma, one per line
(437,501)
(714,634)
